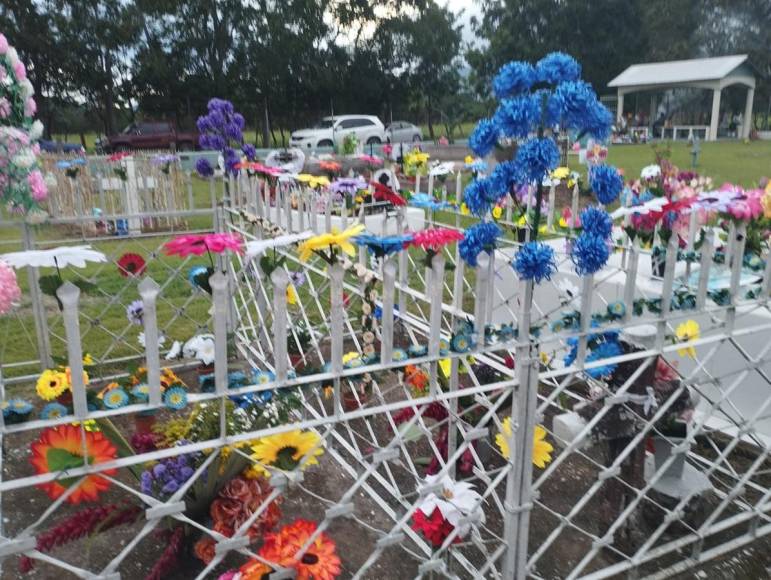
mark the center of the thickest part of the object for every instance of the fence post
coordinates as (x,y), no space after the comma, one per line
(336,328)
(38,308)
(69,295)
(219,287)
(148,290)
(387,329)
(480,306)
(280,281)
(132,196)
(435,316)
(518,502)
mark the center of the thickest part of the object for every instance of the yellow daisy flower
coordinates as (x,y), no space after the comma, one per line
(468,160)
(445,365)
(497,212)
(349,356)
(687,331)
(88,360)
(464,210)
(286,450)
(331,239)
(313,180)
(522,221)
(51,384)
(541,449)
(560,173)
(291,294)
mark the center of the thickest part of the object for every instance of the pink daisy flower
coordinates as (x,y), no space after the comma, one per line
(199,244)
(435,238)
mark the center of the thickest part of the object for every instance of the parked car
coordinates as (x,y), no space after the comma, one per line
(151,135)
(403,132)
(60,147)
(331,131)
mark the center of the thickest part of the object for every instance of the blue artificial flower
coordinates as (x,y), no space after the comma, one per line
(461,343)
(204,168)
(382,246)
(194,272)
(504,177)
(513,78)
(535,261)
(417,350)
(141,393)
(480,195)
(484,137)
(427,201)
(19,406)
(175,398)
(602,351)
(115,398)
(54,411)
(481,237)
(444,346)
(574,105)
(606,183)
(557,67)
(589,253)
(519,116)
(263,377)
(596,221)
(536,158)
(249,151)
(617,309)
(399,355)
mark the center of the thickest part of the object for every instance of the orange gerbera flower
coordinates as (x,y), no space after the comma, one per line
(319,562)
(60,448)
(255,570)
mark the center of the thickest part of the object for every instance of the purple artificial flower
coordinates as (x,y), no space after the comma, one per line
(221,126)
(350,185)
(135,312)
(204,168)
(250,151)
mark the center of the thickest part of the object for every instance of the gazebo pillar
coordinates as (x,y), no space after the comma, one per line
(747,124)
(619,107)
(714,120)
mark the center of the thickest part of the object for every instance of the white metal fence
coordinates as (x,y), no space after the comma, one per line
(660,467)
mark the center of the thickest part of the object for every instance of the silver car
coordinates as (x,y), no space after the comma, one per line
(403,132)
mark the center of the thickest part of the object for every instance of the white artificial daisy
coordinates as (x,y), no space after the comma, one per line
(62,256)
(142,342)
(456,500)
(650,172)
(174,351)
(257,247)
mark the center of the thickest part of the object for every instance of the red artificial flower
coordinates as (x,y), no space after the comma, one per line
(199,244)
(434,527)
(131,265)
(61,448)
(332,166)
(318,562)
(385,193)
(118,156)
(435,238)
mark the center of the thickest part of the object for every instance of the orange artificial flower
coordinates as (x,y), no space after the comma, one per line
(319,562)
(61,448)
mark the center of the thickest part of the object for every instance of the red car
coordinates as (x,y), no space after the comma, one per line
(152,135)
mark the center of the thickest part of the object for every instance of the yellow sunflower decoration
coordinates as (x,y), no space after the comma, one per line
(285,451)
(541,448)
(313,181)
(51,384)
(687,331)
(332,240)
(291,294)
(560,173)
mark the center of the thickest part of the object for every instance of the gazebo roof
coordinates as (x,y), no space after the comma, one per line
(676,72)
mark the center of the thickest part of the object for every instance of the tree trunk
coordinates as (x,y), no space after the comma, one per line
(266,126)
(83,140)
(109,97)
(428,118)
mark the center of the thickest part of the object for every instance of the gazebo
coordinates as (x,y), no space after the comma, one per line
(702,73)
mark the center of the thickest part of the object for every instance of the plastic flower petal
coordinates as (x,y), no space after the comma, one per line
(589,254)
(484,137)
(535,261)
(287,450)
(541,449)
(10,293)
(115,398)
(513,78)
(685,332)
(77,256)
(51,384)
(331,239)
(319,561)
(54,411)
(60,449)
(481,237)
(175,398)
(131,265)
(199,244)
(435,238)
(606,183)
(596,221)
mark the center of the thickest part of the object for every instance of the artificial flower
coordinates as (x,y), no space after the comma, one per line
(204,168)
(174,351)
(650,172)
(199,244)
(319,561)
(51,384)
(258,247)
(200,347)
(54,410)
(497,212)
(131,265)
(175,398)
(291,294)
(314,181)
(484,137)
(135,312)
(686,332)
(557,67)
(383,246)
(519,116)
(115,398)
(606,183)
(481,237)
(536,158)
(606,349)
(589,253)
(384,193)
(455,500)
(10,293)
(541,448)
(435,238)
(286,451)
(513,78)
(332,239)
(440,169)
(60,257)
(596,221)
(535,261)
(62,448)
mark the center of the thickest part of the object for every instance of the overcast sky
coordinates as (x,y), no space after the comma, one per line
(470,8)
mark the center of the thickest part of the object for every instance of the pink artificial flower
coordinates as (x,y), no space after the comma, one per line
(230,575)
(3,44)
(30,107)
(5,108)
(199,244)
(387,149)
(37,185)
(20,71)
(435,238)
(665,372)
(9,287)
